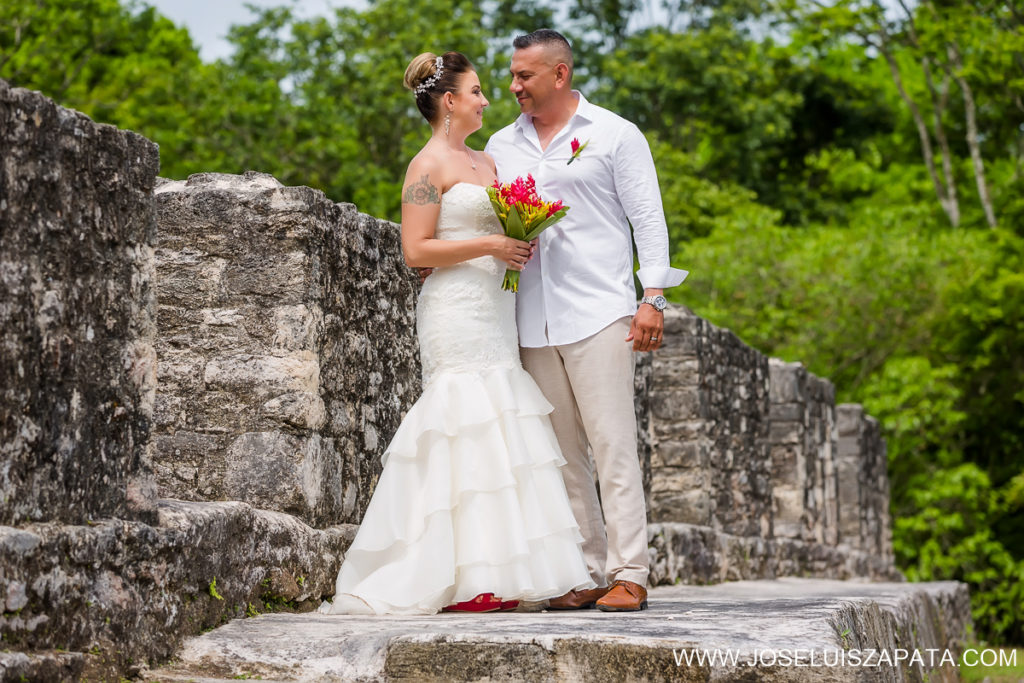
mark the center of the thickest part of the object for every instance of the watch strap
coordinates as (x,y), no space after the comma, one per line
(652,299)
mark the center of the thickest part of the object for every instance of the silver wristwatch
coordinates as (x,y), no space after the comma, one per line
(659,302)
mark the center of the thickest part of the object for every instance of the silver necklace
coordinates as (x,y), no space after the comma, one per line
(469,156)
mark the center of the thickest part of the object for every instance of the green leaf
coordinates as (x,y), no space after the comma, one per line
(546,223)
(514,226)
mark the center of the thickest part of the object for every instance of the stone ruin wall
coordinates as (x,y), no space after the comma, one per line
(756,473)
(710,458)
(863,482)
(802,438)
(78,370)
(285,340)
(97,574)
(199,377)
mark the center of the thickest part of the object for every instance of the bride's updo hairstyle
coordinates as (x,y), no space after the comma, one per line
(422,78)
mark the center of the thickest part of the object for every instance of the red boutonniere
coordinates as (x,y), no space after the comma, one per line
(577,149)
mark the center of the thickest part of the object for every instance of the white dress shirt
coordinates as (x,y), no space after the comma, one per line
(581,278)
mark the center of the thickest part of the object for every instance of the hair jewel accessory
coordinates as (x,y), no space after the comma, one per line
(429,83)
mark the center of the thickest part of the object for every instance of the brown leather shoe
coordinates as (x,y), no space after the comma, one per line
(583,599)
(624,596)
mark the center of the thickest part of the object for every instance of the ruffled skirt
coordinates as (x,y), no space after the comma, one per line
(470,501)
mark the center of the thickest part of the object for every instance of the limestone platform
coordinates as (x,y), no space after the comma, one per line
(783,630)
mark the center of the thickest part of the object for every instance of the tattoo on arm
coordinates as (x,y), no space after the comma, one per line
(421,192)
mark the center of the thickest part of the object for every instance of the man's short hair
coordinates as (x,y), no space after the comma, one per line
(549,38)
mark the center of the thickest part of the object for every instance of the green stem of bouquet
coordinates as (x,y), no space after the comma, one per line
(511,281)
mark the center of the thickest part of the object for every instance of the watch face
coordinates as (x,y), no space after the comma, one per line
(660,302)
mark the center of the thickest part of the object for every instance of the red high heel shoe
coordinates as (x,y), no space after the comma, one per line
(485,602)
(508,605)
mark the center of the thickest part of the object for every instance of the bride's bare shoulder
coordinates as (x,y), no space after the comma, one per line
(424,180)
(427,159)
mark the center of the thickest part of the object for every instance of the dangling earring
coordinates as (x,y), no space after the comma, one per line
(447,123)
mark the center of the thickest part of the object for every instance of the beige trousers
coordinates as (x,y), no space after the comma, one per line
(590,384)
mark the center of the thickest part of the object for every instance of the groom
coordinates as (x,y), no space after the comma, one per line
(576,308)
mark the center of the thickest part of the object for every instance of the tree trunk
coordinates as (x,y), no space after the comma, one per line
(946,193)
(972,133)
(940,98)
(939,101)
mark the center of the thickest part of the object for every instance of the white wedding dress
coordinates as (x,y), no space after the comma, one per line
(471,498)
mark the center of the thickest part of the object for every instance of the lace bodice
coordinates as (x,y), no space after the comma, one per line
(464,319)
(466,212)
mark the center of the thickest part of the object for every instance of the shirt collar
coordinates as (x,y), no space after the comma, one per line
(584,110)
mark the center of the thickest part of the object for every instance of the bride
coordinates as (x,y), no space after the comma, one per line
(470,512)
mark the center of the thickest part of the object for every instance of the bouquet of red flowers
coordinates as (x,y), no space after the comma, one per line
(523,215)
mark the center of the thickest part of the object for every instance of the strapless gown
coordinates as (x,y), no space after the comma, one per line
(471,498)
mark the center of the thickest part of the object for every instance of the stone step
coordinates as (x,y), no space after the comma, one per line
(46,665)
(772,629)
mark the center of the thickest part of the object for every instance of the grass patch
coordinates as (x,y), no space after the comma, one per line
(996,665)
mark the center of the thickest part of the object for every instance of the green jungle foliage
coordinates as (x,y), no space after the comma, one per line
(843,180)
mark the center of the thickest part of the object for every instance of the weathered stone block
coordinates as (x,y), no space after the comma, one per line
(680,453)
(76,313)
(132,591)
(709,416)
(803,446)
(787,512)
(50,666)
(287,322)
(862,469)
(788,432)
(696,554)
